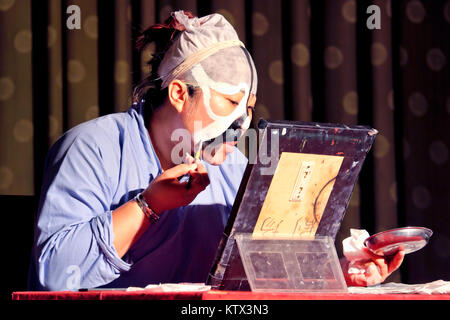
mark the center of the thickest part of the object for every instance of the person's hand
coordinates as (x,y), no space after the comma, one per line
(166,192)
(375,270)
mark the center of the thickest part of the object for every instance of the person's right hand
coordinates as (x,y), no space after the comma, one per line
(166,192)
(376,268)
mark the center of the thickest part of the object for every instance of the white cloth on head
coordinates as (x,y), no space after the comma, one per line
(208,54)
(231,64)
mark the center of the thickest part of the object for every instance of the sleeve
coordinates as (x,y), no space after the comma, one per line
(74,235)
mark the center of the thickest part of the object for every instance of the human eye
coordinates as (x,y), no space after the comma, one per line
(233,102)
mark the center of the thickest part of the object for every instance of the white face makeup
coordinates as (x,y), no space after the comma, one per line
(209,55)
(220,123)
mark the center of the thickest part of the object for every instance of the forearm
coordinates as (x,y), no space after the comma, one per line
(80,256)
(129,224)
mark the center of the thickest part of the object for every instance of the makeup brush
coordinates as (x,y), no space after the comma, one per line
(196,158)
(187,177)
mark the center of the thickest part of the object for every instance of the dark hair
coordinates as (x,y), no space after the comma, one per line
(163,35)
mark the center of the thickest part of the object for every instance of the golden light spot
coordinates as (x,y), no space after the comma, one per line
(350,103)
(260,24)
(6,177)
(349,11)
(23,131)
(436,59)
(91,27)
(415,11)
(300,54)
(438,152)
(381,146)
(7,88)
(5,5)
(121,72)
(379,54)
(23,41)
(276,71)
(75,71)
(92,112)
(418,104)
(333,57)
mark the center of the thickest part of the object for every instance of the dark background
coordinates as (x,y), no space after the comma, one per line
(316,61)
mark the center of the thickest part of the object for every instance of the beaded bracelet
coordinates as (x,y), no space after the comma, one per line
(149,213)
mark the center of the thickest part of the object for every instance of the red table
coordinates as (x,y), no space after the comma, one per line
(213,295)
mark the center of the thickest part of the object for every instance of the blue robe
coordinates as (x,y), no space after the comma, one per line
(96,167)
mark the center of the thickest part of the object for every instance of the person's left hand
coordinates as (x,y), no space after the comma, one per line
(376,269)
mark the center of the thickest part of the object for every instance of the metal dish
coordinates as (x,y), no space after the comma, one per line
(388,242)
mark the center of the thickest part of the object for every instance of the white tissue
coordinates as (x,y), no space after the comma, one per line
(435,287)
(353,246)
(353,249)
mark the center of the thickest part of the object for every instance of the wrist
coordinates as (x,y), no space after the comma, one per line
(151,202)
(146,209)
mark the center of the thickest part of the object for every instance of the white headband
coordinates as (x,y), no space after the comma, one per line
(201,38)
(197,57)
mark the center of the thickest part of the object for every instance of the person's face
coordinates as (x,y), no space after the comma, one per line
(196,117)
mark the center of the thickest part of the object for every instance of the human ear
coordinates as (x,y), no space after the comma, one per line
(178,94)
(252,100)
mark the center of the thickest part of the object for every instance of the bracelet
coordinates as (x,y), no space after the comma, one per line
(149,213)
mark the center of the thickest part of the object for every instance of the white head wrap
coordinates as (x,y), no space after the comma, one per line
(209,54)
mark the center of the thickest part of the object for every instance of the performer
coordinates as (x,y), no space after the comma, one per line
(113,210)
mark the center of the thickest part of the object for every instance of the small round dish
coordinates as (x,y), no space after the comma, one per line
(388,242)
